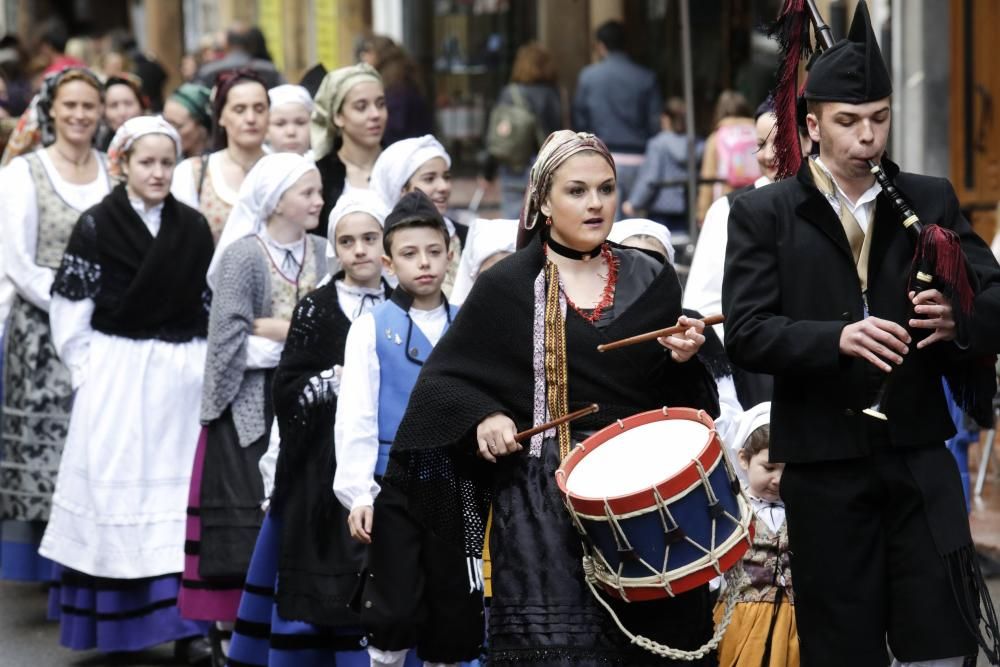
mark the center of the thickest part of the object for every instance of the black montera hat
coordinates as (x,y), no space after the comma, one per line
(414,206)
(852,70)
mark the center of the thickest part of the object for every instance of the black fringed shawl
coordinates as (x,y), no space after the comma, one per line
(484,364)
(143,287)
(319,562)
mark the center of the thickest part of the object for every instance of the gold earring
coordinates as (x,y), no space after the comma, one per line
(548,222)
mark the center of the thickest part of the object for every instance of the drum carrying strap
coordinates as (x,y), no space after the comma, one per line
(662,650)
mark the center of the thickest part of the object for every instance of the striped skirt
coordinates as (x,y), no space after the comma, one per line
(212,599)
(262,638)
(113,615)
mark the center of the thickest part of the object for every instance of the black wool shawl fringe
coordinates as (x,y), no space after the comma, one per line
(483,365)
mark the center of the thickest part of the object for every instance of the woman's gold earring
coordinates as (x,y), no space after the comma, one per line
(548,222)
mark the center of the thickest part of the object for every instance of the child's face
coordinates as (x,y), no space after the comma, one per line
(433,178)
(764,476)
(302,203)
(359,248)
(288,131)
(419,258)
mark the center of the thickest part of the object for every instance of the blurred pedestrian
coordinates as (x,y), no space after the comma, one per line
(666,160)
(151,74)
(409,113)
(533,86)
(129,319)
(620,102)
(42,194)
(211,183)
(50,38)
(241,45)
(13,64)
(189,110)
(730,151)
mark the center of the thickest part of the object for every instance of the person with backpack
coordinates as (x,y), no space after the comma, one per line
(730,161)
(666,160)
(527,109)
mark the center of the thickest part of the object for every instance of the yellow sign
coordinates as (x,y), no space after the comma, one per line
(271,20)
(327,31)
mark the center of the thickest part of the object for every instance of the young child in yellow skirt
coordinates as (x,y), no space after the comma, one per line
(762,631)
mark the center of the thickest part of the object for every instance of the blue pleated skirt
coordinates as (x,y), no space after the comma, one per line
(262,638)
(113,615)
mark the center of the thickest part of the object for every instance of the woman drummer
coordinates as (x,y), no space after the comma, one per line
(521,352)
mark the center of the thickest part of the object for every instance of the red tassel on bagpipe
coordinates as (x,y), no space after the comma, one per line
(939,254)
(791,31)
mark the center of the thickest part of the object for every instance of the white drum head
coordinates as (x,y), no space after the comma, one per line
(638,459)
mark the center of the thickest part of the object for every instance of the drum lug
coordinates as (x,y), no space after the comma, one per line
(716,510)
(675,535)
(627,555)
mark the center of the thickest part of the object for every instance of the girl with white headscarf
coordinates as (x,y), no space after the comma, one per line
(645,234)
(288,127)
(300,552)
(488,242)
(348,122)
(421,164)
(266,261)
(129,319)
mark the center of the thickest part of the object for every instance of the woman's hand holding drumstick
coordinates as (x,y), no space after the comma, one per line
(496,437)
(683,340)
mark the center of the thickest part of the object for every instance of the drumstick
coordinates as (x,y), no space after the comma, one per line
(653,335)
(524,435)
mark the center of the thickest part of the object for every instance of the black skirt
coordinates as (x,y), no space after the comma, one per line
(232,492)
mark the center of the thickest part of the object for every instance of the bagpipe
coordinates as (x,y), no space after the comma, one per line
(938,259)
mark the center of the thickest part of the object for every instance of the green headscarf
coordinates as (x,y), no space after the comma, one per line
(329,99)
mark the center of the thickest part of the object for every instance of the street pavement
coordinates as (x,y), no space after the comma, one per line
(28,640)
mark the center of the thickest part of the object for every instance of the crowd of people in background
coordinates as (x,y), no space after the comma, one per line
(219,305)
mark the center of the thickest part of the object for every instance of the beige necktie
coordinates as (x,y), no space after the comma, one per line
(859,241)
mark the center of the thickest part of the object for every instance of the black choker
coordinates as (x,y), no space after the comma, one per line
(569,253)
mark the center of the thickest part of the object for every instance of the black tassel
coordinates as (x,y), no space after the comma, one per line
(974,603)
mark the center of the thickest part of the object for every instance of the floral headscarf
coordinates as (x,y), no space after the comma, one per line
(47,97)
(129,132)
(559,147)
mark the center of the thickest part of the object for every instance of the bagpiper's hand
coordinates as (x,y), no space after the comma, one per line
(360,523)
(875,340)
(495,436)
(685,345)
(937,314)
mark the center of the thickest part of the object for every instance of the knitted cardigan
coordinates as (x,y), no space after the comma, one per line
(242,294)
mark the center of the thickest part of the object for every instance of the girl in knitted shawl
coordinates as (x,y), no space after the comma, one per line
(305,567)
(521,351)
(264,264)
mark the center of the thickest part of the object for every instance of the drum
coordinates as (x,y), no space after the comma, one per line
(657,504)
